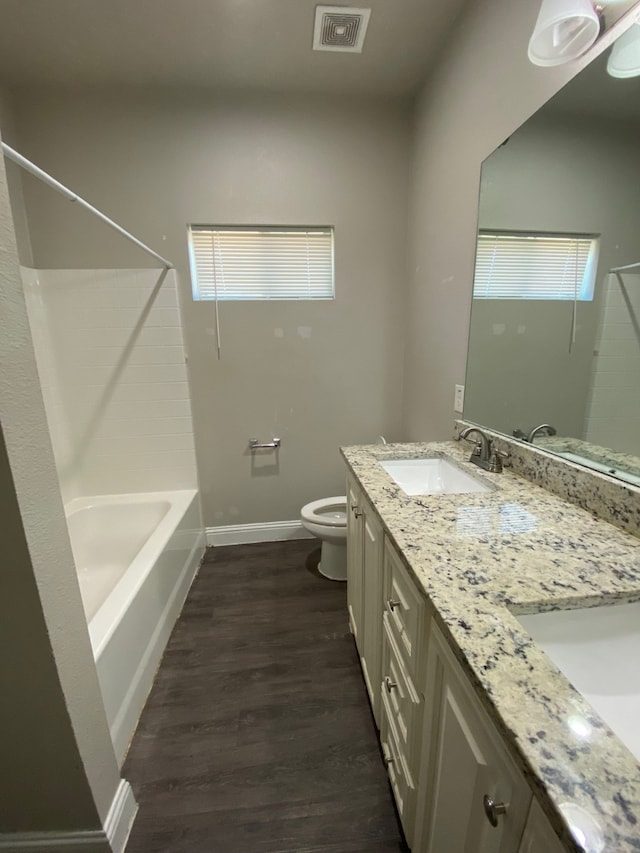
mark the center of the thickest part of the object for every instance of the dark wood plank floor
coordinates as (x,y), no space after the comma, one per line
(257,736)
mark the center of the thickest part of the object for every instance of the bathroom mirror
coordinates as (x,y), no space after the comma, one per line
(573,170)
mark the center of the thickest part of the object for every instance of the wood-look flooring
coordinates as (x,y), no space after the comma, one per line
(257,736)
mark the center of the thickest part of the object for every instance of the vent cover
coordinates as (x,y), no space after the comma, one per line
(340,28)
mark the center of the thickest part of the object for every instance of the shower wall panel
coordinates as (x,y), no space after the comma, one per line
(112,365)
(613,412)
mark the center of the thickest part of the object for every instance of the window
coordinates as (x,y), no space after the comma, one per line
(261,263)
(519,265)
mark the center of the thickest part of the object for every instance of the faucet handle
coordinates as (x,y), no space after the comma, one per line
(495,462)
(477,443)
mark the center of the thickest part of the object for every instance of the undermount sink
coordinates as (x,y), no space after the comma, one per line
(433,476)
(597,649)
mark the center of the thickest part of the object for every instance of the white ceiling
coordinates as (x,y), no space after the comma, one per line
(222,44)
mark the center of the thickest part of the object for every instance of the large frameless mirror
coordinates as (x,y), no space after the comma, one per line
(555,336)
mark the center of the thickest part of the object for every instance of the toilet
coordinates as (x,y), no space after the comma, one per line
(327,519)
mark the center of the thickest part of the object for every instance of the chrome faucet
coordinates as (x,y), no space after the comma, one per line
(482,449)
(484,454)
(541,430)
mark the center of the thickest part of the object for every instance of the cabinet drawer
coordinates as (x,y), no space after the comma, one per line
(405,609)
(401,697)
(399,774)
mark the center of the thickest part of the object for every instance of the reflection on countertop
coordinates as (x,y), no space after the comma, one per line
(481,558)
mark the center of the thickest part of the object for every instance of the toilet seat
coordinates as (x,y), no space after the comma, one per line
(327,519)
(331,512)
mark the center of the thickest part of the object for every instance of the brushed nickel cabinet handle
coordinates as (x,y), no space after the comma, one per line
(392,604)
(492,809)
(389,684)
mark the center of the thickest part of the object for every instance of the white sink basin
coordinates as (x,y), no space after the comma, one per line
(435,476)
(597,649)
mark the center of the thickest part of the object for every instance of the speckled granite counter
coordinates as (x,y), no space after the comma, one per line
(619,464)
(479,558)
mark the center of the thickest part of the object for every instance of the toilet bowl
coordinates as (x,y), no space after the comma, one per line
(327,519)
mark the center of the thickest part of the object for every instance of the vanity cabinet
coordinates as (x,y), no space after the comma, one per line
(455,785)
(473,796)
(364,588)
(539,836)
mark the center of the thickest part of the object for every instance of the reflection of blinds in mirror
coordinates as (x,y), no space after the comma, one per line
(261,263)
(517,265)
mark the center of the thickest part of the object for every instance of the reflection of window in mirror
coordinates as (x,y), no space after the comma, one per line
(529,265)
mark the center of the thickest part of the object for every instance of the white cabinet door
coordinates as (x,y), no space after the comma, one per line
(371,659)
(539,836)
(470,769)
(364,588)
(355,564)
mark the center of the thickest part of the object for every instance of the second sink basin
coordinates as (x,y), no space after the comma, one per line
(433,476)
(597,649)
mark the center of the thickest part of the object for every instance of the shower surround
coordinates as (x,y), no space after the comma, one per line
(613,408)
(111,362)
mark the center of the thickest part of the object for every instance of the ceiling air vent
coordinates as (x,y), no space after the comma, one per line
(340,28)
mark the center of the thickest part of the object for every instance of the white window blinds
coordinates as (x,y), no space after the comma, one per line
(261,263)
(535,266)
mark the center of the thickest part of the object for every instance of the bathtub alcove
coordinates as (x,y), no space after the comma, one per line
(136,556)
(111,362)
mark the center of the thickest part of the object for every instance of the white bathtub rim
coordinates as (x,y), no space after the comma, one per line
(89,501)
(106,619)
(125,721)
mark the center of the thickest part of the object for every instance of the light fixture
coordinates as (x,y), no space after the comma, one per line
(624,59)
(565,29)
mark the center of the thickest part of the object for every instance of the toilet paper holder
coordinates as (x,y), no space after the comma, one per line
(254,444)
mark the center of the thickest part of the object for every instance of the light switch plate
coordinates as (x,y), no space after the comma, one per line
(458,399)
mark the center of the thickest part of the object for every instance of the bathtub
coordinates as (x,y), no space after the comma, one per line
(136,557)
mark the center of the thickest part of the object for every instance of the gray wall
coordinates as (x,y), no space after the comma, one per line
(14,182)
(39,750)
(482,89)
(59,768)
(316,374)
(551,176)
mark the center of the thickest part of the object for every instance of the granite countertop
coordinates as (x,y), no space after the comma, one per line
(482,557)
(618,462)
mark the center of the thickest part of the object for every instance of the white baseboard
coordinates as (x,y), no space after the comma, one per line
(55,842)
(244,534)
(121,816)
(112,838)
